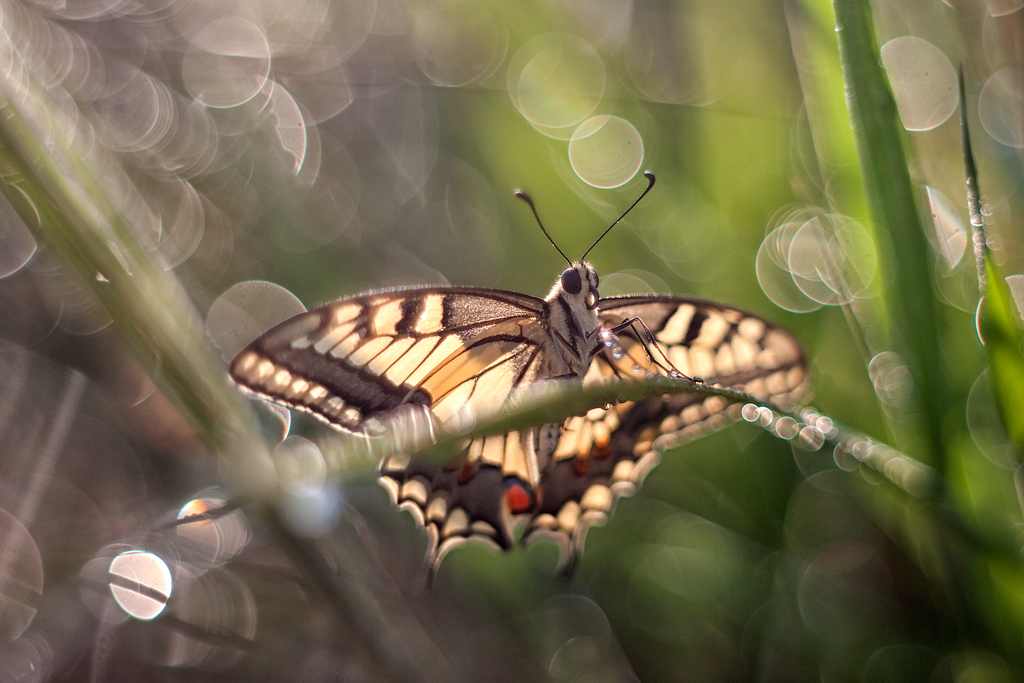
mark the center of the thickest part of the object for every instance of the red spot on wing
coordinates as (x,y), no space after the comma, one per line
(518,499)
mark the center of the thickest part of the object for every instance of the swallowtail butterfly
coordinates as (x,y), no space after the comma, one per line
(459,350)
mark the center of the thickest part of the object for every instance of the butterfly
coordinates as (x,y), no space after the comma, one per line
(458,352)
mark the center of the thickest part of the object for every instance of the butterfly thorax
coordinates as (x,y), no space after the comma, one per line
(574,322)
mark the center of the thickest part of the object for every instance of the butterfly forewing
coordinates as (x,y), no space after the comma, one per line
(720,345)
(353,361)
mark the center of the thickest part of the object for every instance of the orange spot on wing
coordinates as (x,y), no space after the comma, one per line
(602,440)
(467,472)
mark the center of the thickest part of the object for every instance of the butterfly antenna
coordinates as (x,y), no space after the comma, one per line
(526,198)
(650,184)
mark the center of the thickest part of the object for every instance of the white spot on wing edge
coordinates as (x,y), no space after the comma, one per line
(751,329)
(457,523)
(391,486)
(568,516)
(414,490)
(246,361)
(597,497)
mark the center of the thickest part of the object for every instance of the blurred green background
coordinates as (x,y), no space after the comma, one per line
(333,147)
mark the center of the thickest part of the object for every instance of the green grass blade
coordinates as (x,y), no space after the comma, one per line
(891,201)
(998,317)
(1003,349)
(69,194)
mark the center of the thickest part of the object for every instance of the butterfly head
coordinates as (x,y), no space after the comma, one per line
(577,286)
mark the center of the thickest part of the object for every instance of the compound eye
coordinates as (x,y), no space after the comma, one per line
(571,281)
(591,300)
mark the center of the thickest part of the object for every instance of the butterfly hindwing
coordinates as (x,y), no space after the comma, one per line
(606,453)
(477,496)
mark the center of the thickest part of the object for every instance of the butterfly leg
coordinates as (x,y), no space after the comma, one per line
(631,323)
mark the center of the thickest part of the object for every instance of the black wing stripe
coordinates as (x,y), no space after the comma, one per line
(462,312)
(696,322)
(412,309)
(339,377)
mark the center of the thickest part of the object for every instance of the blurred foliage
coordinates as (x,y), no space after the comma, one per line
(157,153)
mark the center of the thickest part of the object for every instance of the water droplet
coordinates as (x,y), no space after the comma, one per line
(811,439)
(824,424)
(637,369)
(786,427)
(141,583)
(617,352)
